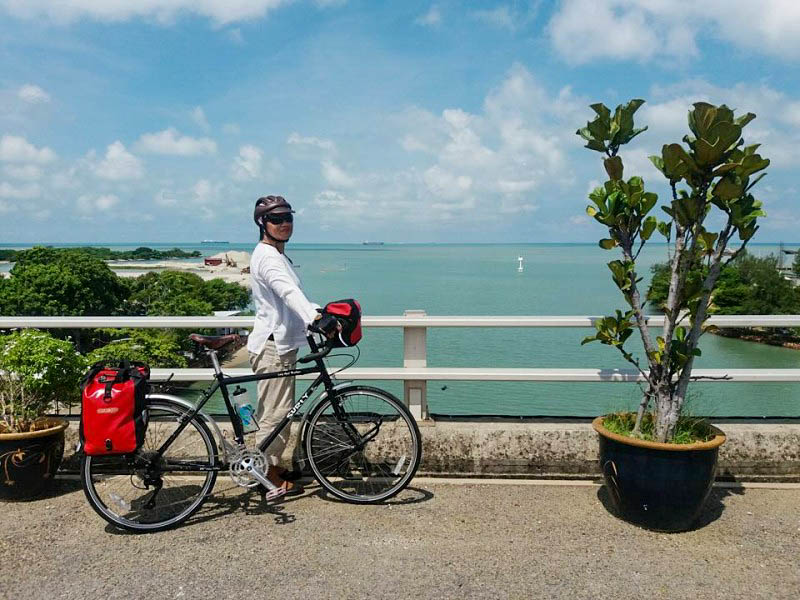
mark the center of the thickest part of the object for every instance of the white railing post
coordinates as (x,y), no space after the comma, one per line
(415,355)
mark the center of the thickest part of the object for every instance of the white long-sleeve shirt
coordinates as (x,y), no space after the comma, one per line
(282,309)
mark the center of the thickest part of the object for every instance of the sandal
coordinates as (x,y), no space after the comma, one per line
(292,475)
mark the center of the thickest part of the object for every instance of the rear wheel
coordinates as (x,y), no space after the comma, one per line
(362,444)
(133,492)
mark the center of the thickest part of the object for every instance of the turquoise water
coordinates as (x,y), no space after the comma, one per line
(558,279)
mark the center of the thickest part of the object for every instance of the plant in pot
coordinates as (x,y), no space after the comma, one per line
(659,464)
(36,371)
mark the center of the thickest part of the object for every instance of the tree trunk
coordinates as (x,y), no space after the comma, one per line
(667,412)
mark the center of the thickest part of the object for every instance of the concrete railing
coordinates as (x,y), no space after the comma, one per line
(415,373)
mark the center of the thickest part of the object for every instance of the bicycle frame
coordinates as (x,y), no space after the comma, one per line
(222,382)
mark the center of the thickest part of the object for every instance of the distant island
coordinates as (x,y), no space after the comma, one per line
(215,242)
(367,243)
(141,253)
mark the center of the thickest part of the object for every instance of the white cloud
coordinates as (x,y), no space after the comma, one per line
(445,184)
(506,154)
(432,18)
(17,149)
(22,192)
(641,30)
(24,172)
(667,114)
(231,129)
(199,117)
(207,197)
(509,17)
(171,142)
(66,11)
(33,94)
(295,139)
(89,204)
(336,176)
(589,29)
(499,17)
(248,164)
(117,165)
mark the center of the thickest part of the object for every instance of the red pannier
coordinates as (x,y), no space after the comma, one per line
(348,313)
(112,410)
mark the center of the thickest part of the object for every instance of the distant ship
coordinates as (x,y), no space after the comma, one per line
(215,242)
(366,243)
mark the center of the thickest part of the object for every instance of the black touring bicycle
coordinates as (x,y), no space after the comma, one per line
(360,443)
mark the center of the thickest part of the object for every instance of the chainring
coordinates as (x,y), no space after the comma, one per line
(238,471)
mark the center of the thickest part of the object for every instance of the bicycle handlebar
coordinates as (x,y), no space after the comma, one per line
(321,353)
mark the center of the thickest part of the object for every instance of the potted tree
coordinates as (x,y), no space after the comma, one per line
(658,464)
(36,371)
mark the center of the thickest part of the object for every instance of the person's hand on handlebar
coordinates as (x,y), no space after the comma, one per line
(328,325)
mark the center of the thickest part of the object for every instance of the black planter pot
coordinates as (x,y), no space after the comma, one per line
(657,486)
(28,461)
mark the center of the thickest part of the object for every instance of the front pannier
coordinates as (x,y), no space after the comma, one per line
(348,313)
(113,419)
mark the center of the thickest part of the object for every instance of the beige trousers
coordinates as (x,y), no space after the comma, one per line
(275,397)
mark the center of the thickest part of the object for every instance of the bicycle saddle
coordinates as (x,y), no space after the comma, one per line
(215,342)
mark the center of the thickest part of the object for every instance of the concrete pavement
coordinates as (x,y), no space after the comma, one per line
(439,539)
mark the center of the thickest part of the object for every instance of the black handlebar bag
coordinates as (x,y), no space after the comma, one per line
(113,419)
(348,313)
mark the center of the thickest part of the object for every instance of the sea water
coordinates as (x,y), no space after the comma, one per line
(483,279)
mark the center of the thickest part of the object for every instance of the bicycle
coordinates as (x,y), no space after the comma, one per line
(361,443)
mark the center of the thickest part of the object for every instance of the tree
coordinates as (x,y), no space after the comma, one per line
(157,348)
(749,285)
(714,170)
(54,283)
(183,294)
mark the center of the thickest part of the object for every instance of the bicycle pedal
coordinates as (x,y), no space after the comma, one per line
(273,494)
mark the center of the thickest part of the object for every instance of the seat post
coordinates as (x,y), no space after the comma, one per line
(215,362)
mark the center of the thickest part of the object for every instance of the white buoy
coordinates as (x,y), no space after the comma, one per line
(520,268)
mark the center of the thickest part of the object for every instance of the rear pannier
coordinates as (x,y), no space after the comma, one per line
(113,419)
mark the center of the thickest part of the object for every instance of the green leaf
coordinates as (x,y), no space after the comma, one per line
(608,244)
(728,188)
(602,111)
(665,229)
(648,227)
(745,119)
(755,181)
(613,166)
(591,211)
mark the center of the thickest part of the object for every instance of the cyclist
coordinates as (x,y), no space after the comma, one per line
(283,314)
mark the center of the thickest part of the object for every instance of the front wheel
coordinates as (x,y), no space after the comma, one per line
(362,444)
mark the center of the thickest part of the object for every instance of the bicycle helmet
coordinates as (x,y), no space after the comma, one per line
(270,204)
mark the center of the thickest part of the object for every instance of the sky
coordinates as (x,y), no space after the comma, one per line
(164,120)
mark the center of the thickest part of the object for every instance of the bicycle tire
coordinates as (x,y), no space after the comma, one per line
(114,485)
(390,452)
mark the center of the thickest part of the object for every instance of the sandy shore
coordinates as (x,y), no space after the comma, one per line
(129,268)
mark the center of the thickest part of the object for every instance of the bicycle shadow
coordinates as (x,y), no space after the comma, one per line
(251,503)
(410,495)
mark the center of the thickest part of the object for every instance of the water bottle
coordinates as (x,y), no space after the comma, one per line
(244,408)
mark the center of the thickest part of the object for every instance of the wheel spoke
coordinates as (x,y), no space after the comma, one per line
(389,435)
(119,489)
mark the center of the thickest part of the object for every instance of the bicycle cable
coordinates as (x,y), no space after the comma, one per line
(354,359)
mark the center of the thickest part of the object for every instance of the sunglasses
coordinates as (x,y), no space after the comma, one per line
(280,218)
